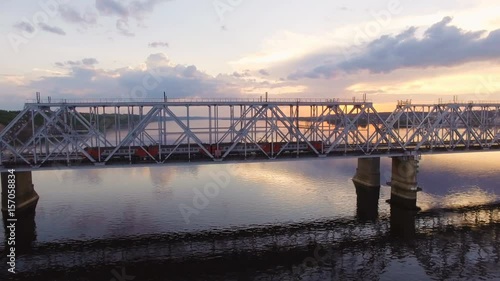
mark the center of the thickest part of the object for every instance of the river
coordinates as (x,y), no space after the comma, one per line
(297,220)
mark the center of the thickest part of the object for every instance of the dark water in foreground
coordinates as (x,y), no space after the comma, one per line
(267,221)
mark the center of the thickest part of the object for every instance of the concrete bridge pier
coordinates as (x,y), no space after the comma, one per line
(26,196)
(367,183)
(403,183)
(368,172)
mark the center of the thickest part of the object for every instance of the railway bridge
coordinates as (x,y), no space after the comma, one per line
(78,134)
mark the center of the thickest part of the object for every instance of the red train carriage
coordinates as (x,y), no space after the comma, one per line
(92,151)
(301,146)
(271,148)
(165,150)
(142,153)
(318,145)
(217,150)
(121,153)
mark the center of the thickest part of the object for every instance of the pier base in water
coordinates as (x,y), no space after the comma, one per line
(403,183)
(367,183)
(25,198)
(402,222)
(367,198)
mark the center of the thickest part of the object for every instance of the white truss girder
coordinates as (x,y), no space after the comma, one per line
(48,133)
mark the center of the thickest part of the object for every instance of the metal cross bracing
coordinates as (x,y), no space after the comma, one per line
(129,132)
(449,126)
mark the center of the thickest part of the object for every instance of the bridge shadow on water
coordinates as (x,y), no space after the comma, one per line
(446,244)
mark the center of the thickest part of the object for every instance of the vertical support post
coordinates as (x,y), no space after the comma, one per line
(367,183)
(403,183)
(368,172)
(188,137)
(210,142)
(216,124)
(297,125)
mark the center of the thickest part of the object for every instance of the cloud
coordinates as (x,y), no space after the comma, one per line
(85,62)
(190,71)
(73,63)
(51,29)
(13,96)
(125,10)
(111,8)
(89,61)
(245,73)
(157,60)
(442,45)
(264,72)
(158,44)
(123,28)
(24,26)
(159,75)
(139,9)
(83,79)
(71,15)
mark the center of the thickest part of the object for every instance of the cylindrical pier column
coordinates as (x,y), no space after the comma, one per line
(368,172)
(26,196)
(403,183)
(367,202)
(367,183)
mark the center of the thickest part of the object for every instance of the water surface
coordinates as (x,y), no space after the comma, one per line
(158,204)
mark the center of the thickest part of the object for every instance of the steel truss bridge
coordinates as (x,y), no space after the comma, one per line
(105,132)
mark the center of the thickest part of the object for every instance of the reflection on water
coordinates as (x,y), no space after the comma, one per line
(270,215)
(440,245)
(459,197)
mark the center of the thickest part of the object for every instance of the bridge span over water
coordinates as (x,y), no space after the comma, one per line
(72,134)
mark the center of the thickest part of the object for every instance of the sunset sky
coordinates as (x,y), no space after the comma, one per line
(421,50)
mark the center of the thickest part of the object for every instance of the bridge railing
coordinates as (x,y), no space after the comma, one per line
(192,100)
(448,102)
(481,102)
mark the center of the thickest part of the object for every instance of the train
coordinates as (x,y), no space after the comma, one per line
(160,152)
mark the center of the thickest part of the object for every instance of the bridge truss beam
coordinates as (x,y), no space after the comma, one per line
(45,133)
